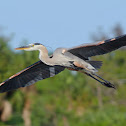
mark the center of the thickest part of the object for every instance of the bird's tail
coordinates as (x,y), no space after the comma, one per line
(95,64)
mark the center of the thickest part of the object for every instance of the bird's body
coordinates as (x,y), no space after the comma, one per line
(76,58)
(65,58)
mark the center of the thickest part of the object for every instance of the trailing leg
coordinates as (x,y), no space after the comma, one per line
(104,82)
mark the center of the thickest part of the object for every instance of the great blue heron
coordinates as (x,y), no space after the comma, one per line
(76,59)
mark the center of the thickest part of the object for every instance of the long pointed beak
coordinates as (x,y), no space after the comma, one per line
(22,48)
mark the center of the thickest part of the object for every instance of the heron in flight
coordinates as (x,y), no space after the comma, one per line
(76,59)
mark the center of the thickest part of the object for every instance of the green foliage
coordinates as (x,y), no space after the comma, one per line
(69,98)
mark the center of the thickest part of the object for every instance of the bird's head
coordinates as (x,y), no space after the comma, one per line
(30,47)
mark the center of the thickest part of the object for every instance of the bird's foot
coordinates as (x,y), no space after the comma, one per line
(108,84)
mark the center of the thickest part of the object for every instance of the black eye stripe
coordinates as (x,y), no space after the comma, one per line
(37,44)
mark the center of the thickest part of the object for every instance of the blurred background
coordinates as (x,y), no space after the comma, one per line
(68,99)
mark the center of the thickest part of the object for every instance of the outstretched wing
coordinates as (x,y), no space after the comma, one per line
(30,75)
(99,48)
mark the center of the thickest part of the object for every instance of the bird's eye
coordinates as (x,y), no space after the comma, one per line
(32,45)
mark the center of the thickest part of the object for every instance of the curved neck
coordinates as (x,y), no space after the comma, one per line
(44,57)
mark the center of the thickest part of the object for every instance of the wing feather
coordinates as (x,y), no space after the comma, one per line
(98,48)
(30,75)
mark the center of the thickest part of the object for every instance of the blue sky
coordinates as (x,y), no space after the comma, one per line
(59,23)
